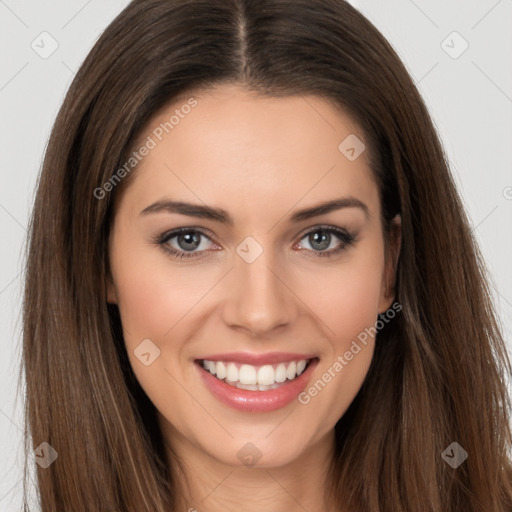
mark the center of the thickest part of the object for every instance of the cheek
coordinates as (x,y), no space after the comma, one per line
(347,308)
(157,301)
(354,308)
(151,302)
(346,297)
(145,304)
(152,295)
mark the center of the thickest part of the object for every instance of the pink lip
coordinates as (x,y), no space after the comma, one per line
(257,401)
(258,359)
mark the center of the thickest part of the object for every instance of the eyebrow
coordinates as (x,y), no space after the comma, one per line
(222,216)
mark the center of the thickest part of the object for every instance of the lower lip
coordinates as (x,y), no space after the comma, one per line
(257,401)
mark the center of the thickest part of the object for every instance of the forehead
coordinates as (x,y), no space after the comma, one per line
(228,144)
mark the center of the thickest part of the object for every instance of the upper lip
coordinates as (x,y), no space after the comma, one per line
(258,359)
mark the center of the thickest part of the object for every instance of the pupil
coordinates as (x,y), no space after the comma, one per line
(323,243)
(190,241)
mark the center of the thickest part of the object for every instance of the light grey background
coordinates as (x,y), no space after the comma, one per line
(470,98)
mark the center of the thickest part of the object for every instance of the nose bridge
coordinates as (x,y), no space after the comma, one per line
(258,299)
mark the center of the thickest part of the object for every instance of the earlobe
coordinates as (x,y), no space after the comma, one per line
(388,290)
(111,291)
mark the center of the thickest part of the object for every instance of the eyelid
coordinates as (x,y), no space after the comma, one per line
(346,237)
(207,233)
(172,233)
(326,227)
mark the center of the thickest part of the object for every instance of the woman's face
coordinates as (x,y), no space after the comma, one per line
(265,280)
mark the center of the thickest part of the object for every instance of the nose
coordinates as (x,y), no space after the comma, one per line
(258,299)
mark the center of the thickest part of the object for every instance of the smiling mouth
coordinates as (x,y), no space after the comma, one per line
(255,378)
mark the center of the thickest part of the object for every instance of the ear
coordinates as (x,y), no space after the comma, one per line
(394,244)
(111,290)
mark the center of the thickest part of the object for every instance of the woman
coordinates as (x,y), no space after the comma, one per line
(250,275)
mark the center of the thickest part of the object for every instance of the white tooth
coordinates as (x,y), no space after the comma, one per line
(221,370)
(280,373)
(249,387)
(291,370)
(247,374)
(232,372)
(250,377)
(266,375)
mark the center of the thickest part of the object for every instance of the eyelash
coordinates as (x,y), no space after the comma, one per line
(346,238)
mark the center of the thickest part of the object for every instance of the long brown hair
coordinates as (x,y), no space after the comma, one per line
(439,369)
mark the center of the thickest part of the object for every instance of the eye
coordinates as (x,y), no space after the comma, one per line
(189,242)
(322,237)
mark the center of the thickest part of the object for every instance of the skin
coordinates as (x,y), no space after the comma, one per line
(260,159)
